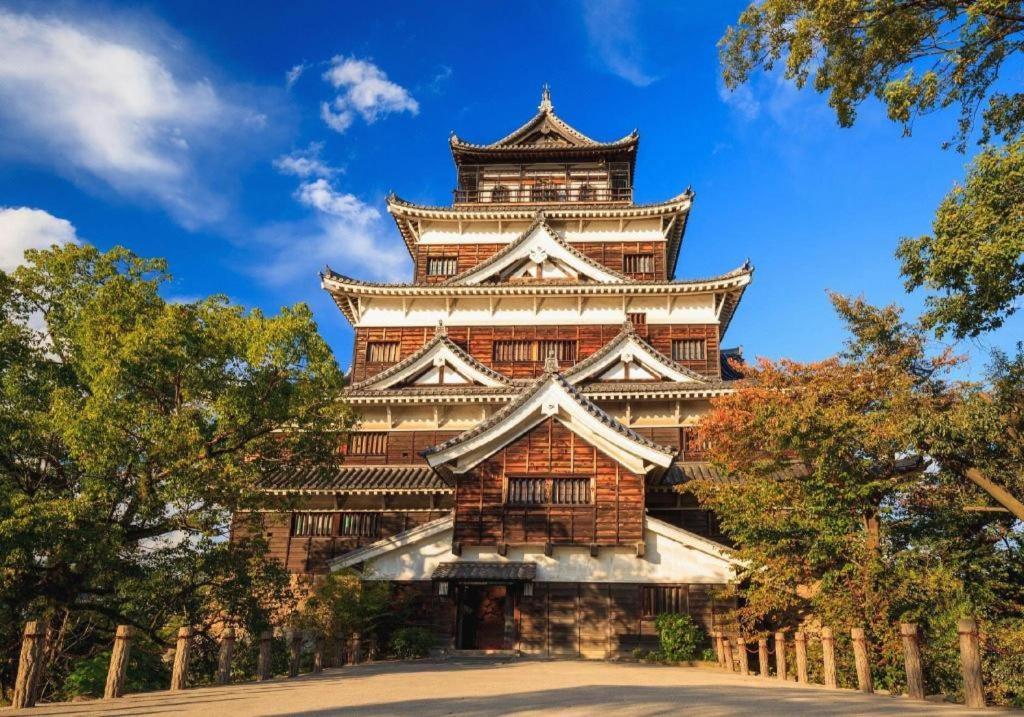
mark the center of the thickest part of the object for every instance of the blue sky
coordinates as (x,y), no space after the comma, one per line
(252,143)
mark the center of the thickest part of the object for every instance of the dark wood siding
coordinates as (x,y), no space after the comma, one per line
(615,516)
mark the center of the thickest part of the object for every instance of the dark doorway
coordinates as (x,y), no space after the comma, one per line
(482,611)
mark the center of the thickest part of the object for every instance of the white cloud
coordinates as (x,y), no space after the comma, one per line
(613,35)
(741,99)
(95,104)
(293,75)
(320,195)
(363,89)
(24,228)
(305,163)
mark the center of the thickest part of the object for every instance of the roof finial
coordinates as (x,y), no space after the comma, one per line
(545,99)
(551,363)
(441,329)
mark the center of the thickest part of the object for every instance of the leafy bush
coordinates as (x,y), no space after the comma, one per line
(409,643)
(639,654)
(146,672)
(679,636)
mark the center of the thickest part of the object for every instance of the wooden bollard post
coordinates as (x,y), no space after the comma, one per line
(780,655)
(118,663)
(294,638)
(356,651)
(30,665)
(318,655)
(828,655)
(912,659)
(741,654)
(227,652)
(727,652)
(762,656)
(716,636)
(800,644)
(266,644)
(860,658)
(970,662)
(179,674)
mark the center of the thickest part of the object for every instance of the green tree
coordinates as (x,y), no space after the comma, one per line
(918,57)
(133,428)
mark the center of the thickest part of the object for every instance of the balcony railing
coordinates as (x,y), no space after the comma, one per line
(542,195)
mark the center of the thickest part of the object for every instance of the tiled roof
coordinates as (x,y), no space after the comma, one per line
(729,371)
(467,570)
(629,332)
(585,403)
(356,479)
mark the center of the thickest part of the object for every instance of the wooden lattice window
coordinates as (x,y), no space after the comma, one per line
(638,319)
(659,599)
(689,349)
(550,491)
(499,193)
(570,491)
(527,350)
(528,491)
(564,350)
(442,265)
(312,524)
(585,192)
(545,191)
(382,351)
(368,444)
(692,448)
(638,263)
(363,525)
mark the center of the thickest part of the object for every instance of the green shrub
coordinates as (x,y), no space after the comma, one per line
(639,654)
(146,672)
(679,636)
(409,643)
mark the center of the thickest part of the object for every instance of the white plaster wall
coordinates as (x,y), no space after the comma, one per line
(665,561)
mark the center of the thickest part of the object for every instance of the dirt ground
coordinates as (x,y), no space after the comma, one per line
(520,687)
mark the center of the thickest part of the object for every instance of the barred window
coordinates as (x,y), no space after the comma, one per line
(499,193)
(442,265)
(549,491)
(382,351)
(586,193)
(688,349)
(363,525)
(545,191)
(526,350)
(368,444)
(638,263)
(658,599)
(638,319)
(304,524)
(570,491)
(527,491)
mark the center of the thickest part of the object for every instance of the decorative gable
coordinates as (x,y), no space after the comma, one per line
(440,362)
(550,397)
(538,254)
(628,357)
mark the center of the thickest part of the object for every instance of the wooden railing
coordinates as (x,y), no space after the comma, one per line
(542,194)
(738,660)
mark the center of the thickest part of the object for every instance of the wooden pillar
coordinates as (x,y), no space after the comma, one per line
(762,656)
(717,635)
(741,654)
(828,654)
(118,662)
(970,662)
(780,655)
(800,644)
(227,652)
(266,644)
(318,654)
(356,649)
(727,653)
(912,659)
(179,674)
(30,665)
(860,658)
(373,648)
(294,638)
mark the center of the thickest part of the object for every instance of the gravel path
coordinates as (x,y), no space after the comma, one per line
(522,687)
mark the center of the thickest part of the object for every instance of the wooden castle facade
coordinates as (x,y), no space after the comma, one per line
(526,408)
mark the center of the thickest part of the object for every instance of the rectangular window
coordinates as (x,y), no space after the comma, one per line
(638,263)
(549,491)
(659,599)
(442,265)
(527,491)
(638,319)
(382,351)
(688,349)
(363,525)
(526,350)
(368,444)
(692,449)
(305,524)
